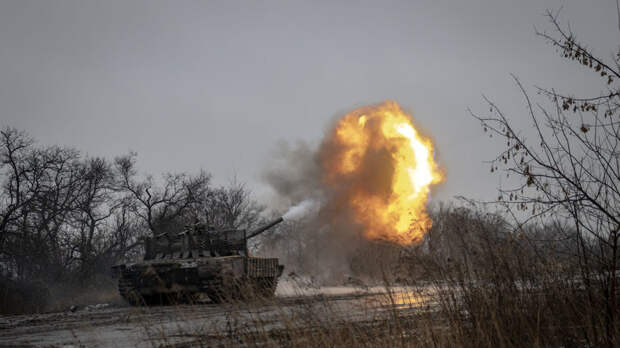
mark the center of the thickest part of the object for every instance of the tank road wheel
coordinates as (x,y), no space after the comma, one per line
(185,297)
(127,290)
(157,299)
(220,291)
(182,297)
(215,296)
(212,288)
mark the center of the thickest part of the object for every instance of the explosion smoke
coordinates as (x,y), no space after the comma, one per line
(369,180)
(299,210)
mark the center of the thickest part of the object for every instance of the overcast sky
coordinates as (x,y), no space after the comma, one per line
(219,85)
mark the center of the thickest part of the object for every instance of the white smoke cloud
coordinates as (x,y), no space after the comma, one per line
(303,208)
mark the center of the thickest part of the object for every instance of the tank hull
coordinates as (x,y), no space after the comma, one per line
(183,280)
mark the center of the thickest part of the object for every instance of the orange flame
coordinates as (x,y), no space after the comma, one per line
(383,168)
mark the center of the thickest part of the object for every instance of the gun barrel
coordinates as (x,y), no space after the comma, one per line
(262,229)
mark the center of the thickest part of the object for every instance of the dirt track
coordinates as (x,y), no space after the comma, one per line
(169,325)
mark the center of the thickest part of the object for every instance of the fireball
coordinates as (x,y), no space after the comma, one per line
(378,162)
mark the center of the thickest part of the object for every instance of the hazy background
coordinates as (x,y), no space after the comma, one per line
(221,85)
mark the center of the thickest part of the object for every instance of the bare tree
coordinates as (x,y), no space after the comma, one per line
(231,207)
(570,172)
(41,189)
(67,218)
(99,200)
(14,148)
(158,206)
(56,210)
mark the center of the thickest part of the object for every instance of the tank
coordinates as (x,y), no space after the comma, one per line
(182,267)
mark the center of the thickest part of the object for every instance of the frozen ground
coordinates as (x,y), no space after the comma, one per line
(105,326)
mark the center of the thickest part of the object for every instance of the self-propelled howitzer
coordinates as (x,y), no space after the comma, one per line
(178,267)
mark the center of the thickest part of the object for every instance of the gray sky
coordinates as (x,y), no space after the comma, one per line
(218,85)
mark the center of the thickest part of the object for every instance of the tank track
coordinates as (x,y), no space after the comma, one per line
(220,291)
(213,289)
(216,290)
(127,288)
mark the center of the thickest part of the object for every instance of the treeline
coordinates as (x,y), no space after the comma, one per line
(463,237)
(478,280)
(66,218)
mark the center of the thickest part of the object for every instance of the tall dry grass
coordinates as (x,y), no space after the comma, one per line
(472,283)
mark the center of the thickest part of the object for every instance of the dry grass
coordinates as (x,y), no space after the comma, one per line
(467,314)
(469,285)
(483,286)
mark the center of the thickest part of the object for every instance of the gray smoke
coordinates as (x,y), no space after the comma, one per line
(304,208)
(319,237)
(293,173)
